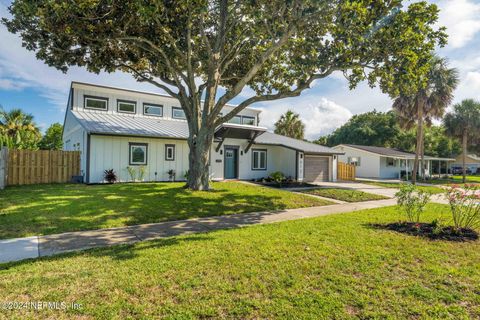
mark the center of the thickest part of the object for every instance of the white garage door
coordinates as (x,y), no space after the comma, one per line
(316,168)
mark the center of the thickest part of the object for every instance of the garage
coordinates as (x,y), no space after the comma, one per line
(316,168)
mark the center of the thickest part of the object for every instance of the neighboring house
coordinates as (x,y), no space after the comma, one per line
(472,162)
(386,163)
(116,128)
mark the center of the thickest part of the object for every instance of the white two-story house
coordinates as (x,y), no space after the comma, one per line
(117,128)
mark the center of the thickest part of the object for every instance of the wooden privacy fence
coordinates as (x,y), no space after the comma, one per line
(345,171)
(42,166)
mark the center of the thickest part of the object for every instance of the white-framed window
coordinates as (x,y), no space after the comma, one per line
(95,103)
(169,152)
(390,162)
(259,159)
(138,153)
(236,120)
(124,106)
(248,120)
(178,113)
(354,160)
(153,109)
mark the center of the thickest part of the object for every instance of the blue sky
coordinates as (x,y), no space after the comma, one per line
(38,89)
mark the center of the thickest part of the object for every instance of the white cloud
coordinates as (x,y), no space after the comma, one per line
(462,19)
(15,85)
(320,115)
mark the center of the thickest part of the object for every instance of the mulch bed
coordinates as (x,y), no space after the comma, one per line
(431,231)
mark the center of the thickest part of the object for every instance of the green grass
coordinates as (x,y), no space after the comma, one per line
(332,267)
(49,209)
(456,180)
(431,189)
(344,194)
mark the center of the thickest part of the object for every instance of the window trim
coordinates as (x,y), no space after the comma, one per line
(266,160)
(130,145)
(167,146)
(180,118)
(146,104)
(127,102)
(86,97)
(248,117)
(236,116)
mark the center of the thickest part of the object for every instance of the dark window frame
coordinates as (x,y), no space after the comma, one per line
(166,152)
(85,97)
(266,159)
(127,101)
(250,118)
(146,104)
(180,118)
(130,145)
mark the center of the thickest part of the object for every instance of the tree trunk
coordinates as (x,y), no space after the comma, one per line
(198,159)
(464,156)
(419,141)
(423,155)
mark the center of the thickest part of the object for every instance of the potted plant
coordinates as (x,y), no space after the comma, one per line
(110,176)
(171,175)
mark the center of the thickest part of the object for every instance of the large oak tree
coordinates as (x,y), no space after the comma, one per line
(204,53)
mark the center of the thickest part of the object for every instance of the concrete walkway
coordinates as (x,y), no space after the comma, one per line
(40,246)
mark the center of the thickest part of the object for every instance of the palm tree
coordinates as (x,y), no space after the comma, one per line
(17,129)
(427,103)
(290,125)
(463,123)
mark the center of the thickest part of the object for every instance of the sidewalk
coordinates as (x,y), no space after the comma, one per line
(40,246)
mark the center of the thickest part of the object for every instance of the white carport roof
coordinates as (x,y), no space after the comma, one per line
(391,153)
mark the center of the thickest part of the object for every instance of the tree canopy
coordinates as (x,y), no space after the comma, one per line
(52,139)
(214,49)
(290,125)
(18,130)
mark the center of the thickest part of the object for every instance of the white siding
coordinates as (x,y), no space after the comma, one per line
(75,139)
(389,172)
(112,152)
(82,90)
(369,162)
(278,159)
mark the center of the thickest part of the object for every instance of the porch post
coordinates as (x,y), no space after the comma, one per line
(406,168)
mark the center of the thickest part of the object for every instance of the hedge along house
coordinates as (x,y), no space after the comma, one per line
(118,128)
(387,163)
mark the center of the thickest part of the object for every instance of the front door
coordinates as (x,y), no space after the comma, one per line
(231,162)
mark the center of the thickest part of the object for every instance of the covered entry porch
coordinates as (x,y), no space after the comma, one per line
(403,166)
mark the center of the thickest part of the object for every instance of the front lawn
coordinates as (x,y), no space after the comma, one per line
(49,209)
(431,189)
(344,194)
(331,267)
(456,180)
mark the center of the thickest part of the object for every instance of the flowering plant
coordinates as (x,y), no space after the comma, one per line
(412,201)
(465,205)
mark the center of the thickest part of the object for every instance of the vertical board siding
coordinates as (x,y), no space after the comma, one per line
(42,166)
(345,171)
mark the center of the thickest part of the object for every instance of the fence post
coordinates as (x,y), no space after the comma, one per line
(3,167)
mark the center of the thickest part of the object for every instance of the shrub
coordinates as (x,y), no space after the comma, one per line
(464,205)
(171,174)
(110,176)
(412,201)
(132,173)
(141,172)
(277,176)
(187,173)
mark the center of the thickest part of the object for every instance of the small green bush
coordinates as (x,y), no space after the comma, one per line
(412,200)
(277,176)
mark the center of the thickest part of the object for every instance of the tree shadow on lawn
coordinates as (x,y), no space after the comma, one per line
(50,210)
(429,231)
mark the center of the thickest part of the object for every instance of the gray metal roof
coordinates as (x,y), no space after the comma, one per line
(138,125)
(119,124)
(390,152)
(300,145)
